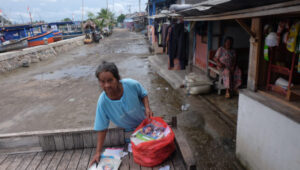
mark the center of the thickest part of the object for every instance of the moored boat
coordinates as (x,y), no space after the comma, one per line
(68,29)
(41,39)
(57,36)
(13,45)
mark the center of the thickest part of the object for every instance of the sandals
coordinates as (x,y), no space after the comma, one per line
(227,95)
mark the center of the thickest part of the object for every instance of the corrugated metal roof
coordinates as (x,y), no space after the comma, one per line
(205,8)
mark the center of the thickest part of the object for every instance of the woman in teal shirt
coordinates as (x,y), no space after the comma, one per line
(124,102)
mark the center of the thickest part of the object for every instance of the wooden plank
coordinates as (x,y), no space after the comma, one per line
(55,160)
(184,149)
(95,139)
(87,140)
(84,160)
(168,161)
(254,54)
(191,37)
(75,159)
(146,168)
(17,161)
(27,160)
(92,155)
(59,142)
(68,141)
(132,164)
(114,137)
(3,157)
(64,162)
(7,162)
(293,95)
(125,160)
(46,161)
(122,137)
(107,141)
(47,143)
(36,161)
(125,163)
(245,27)
(177,161)
(276,103)
(78,141)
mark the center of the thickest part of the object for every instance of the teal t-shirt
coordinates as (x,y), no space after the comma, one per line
(127,113)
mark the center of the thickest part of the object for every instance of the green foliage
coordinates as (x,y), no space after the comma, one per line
(121,18)
(103,19)
(66,19)
(91,16)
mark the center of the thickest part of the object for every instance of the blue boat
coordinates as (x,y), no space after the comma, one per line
(13,45)
(14,37)
(41,39)
(69,29)
(35,34)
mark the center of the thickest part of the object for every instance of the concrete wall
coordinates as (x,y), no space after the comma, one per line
(266,139)
(14,59)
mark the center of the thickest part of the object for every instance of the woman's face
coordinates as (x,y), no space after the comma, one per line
(228,44)
(108,82)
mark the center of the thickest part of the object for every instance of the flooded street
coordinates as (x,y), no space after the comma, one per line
(62,92)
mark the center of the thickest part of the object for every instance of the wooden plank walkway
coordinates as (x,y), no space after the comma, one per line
(74,159)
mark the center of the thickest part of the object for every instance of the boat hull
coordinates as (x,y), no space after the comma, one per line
(41,39)
(71,35)
(14,45)
(57,36)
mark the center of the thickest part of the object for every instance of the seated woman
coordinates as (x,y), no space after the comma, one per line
(226,61)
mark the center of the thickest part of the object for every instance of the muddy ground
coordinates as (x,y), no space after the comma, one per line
(62,93)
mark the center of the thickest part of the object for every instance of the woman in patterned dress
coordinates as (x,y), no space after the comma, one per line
(226,62)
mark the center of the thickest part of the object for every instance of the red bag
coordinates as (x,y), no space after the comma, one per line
(153,152)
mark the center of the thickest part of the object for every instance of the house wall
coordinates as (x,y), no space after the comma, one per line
(200,53)
(266,139)
(223,29)
(239,35)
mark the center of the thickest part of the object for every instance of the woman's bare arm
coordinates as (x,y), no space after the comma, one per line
(100,141)
(148,111)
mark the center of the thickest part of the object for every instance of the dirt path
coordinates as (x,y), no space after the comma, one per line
(62,93)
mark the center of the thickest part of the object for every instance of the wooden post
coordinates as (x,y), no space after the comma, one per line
(191,47)
(209,44)
(254,54)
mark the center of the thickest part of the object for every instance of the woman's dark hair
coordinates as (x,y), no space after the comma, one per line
(228,38)
(108,67)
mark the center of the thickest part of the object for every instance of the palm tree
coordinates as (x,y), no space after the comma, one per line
(107,17)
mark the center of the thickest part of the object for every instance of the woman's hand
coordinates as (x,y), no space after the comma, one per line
(148,112)
(95,159)
(220,65)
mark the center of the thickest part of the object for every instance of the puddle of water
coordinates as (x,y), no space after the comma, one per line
(134,49)
(73,72)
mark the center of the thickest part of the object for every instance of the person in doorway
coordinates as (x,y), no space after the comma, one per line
(226,62)
(124,102)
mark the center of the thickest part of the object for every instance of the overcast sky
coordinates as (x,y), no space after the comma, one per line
(56,10)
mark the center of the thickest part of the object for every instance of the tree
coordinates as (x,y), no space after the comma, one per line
(107,17)
(66,19)
(103,19)
(121,18)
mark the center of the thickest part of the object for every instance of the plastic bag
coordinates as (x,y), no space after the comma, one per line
(151,151)
(291,43)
